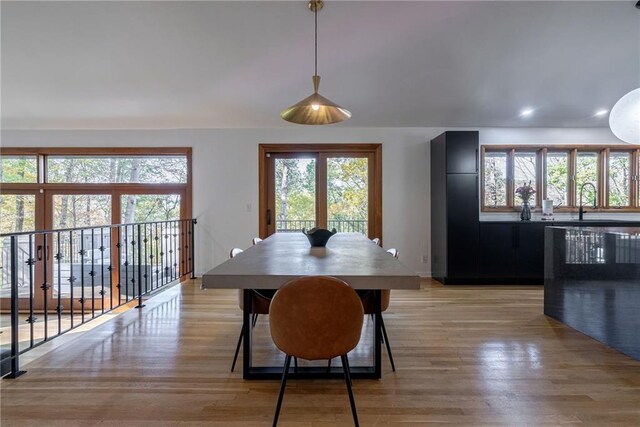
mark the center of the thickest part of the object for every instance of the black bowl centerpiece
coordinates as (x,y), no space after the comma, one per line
(318,236)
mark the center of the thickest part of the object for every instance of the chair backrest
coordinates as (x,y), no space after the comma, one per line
(393,252)
(316,317)
(235,252)
(376,241)
(256,240)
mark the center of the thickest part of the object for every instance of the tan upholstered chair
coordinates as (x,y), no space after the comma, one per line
(315,318)
(367,303)
(259,305)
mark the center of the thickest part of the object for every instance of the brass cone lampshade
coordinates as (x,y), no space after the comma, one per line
(315,109)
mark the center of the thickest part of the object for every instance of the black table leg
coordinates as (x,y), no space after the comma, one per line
(246,345)
(377,325)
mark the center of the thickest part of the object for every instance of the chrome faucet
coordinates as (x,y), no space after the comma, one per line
(595,200)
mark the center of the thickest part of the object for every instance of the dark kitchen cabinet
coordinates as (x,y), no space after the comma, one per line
(497,254)
(455,233)
(462,151)
(512,252)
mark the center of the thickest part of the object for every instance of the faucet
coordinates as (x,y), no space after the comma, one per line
(595,199)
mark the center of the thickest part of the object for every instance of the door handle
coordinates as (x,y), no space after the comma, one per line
(268,216)
(476,160)
(39,252)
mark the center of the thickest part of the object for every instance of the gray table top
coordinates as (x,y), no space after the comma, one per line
(284,256)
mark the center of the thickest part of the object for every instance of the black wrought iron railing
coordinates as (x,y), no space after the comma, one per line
(56,280)
(341,225)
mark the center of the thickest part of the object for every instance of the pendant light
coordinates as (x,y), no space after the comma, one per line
(624,119)
(315,109)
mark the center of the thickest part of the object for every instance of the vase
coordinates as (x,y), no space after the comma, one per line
(525,214)
(318,236)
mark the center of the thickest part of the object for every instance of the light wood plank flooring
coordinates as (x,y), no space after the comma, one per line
(465,356)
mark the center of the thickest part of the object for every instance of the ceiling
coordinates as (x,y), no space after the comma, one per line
(145,65)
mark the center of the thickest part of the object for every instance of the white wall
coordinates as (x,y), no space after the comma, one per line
(225,174)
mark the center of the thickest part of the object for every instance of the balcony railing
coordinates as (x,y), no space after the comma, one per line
(341,225)
(56,280)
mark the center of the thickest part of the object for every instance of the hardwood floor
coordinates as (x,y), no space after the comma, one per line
(464,356)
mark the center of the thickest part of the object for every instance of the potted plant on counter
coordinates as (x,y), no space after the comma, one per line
(525,192)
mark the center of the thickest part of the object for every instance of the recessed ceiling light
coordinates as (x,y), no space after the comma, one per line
(601,112)
(526,112)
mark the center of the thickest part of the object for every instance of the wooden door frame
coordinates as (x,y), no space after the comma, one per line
(372,151)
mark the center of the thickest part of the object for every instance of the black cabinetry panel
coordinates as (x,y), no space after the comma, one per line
(530,251)
(497,254)
(462,225)
(512,252)
(462,151)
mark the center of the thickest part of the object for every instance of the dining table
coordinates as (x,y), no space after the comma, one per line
(282,257)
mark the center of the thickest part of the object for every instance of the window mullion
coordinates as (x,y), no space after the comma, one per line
(603,178)
(540,174)
(510,177)
(572,182)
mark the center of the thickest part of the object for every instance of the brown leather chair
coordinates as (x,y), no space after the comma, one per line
(367,303)
(315,318)
(259,305)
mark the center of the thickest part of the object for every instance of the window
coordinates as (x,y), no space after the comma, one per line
(18,169)
(619,179)
(586,178)
(569,176)
(525,171)
(557,178)
(495,179)
(117,169)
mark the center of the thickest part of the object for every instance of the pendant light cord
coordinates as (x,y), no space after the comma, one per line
(315,15)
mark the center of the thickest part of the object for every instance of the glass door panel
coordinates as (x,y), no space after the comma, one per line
(81,258)
(295,194)
(17,214)
(348,194)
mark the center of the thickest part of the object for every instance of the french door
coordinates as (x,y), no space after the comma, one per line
(321,185)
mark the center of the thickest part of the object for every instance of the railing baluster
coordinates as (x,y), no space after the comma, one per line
(71,279)
(92,274)
(45,285)
(81,253)
(102,249)
(58,257)
(117,262)
(126,263)
(192,252)
(15,326)
(140,305)
(146,256)
(30,263)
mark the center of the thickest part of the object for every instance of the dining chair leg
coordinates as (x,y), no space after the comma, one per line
(287,363)
(386,341)
(329,366)
(254,320)
(347,380)
(295,365)
(235,356)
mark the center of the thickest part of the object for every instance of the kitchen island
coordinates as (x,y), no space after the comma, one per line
(592,283)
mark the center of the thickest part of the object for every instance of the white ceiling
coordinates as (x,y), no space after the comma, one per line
(130,65)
